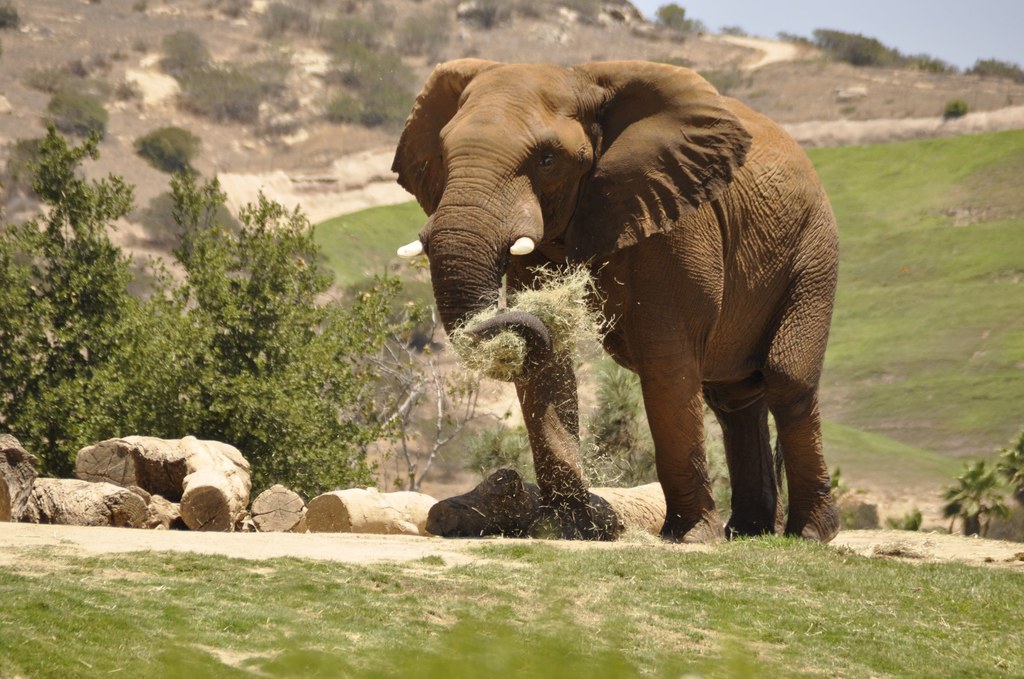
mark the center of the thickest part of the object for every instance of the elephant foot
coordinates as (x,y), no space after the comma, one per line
(821,524)
(740,526)
(578,521)
(705,530)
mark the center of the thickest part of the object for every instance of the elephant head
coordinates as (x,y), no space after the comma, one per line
(577,162)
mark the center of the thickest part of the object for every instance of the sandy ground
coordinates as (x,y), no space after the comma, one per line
(15,538)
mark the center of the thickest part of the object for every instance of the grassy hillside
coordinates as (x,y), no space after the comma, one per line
(927,342)
(751,608)
(363,243)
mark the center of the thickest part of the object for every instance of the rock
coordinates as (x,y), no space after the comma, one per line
(852,93)
(75,502)
(17,473)
(5,106)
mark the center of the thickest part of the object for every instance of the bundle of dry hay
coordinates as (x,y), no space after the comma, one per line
(559,301)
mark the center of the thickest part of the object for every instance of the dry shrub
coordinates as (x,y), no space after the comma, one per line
(559,301)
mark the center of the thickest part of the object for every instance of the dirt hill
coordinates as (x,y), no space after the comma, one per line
(290,149)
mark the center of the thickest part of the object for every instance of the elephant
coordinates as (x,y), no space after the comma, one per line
(713,250)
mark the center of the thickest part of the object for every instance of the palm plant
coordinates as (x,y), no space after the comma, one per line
(1011,466)
(974,499)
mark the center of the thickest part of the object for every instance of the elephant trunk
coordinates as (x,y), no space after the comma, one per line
(466,271)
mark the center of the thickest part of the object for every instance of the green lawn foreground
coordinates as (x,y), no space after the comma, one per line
(767,607)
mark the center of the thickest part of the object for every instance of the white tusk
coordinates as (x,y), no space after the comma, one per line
(413,249)
(523,246)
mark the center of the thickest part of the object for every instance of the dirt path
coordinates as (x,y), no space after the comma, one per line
(367,549)
(772,51)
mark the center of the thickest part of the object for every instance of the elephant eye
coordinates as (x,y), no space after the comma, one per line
(547,159)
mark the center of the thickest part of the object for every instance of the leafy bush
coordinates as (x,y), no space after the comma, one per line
(856,49)
(223,93)
(1011,466)
(49,79)
(184,52)
(497,448)
(340,34)
(170,149)
(620,446)
(929,64)
(975,499)
(281,18)
(243,350)
(674,17)
(344,108)
(910,521)
(957,108)
(727,81)
(424,33)
(9,17)
(994,68)
(18,172)
(488,14)
(861,50)
(382,81)
(78,114)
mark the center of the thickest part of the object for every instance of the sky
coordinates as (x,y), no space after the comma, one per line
(957,31)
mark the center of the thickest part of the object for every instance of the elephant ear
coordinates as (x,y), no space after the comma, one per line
(418,157)
(667,143)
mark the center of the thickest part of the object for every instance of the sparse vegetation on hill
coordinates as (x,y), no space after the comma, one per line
(861,50)
(994,68)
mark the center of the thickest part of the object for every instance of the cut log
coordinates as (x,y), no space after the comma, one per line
(216,491)
(75,502)
(503,504)
(156,465)
(17,472)
(277,510)
(366,510)
(162,514)
(210,479)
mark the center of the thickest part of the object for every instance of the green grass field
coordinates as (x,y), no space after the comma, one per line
(752,608)
(927,345)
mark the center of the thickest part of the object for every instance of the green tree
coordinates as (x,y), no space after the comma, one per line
(64,301)
(1011,466)
(247,349)
(974,499)
(288,379)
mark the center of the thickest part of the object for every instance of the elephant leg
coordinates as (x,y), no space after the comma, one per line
(812,510)
(551,414)
(682,464)
(748,453)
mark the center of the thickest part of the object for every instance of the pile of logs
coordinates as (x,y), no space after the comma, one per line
(141,481)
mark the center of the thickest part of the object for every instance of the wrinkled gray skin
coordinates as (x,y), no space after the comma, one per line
(712,245)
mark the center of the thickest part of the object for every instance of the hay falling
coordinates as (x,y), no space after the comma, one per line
(559,301)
